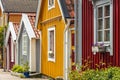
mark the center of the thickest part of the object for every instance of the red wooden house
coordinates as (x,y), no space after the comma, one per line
(11,44)
(97,25)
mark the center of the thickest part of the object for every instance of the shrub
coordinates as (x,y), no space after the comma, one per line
(26,67)
(14,67)
(17,68)
(111,73)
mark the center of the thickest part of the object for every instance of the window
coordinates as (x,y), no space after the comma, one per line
(51,44)
(24,44)
(103,28)
(51,4)
(103,23)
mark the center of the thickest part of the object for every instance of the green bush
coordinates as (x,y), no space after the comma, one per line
(26,67)
(14,67)
(111,73)
(17,68)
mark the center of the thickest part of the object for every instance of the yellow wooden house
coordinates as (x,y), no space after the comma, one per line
(53,19)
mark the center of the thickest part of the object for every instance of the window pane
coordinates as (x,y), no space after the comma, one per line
(100,11)
(99,36)
(107,35)
(107,23)
(52,40)
(107,10)
(100,22)
(51,3)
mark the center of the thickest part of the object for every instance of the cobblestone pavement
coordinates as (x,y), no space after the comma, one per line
(8,76)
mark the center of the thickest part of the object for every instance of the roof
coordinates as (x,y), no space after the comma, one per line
(11,29)
(29,24)
(32,18)
(16,27)
(17,6)
(67,8)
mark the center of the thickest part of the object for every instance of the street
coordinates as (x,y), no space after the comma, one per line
(8,76)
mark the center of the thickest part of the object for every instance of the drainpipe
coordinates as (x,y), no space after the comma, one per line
(78,31)
(66,49)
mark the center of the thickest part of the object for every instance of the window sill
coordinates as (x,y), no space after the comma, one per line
(51,59)
(50,7)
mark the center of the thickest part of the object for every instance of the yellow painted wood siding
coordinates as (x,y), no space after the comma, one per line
(53,69)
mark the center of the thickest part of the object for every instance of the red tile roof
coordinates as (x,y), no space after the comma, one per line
(70,7)
(16,27)
(32,18)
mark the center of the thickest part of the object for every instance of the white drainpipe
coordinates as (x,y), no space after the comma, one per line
(66,49)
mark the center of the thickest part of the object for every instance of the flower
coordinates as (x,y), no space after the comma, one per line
(98,44)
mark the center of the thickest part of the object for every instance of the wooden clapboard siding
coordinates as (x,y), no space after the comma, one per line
(45,21)
(88,35)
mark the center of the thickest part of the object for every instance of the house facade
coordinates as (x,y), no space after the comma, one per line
(10,44)
(11,11)
(51,26)
(55,20)
(28,43)
(98,24)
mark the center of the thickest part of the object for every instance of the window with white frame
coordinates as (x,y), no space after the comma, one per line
(103,24)
(103,21)
(51,4)
(51,44)
(24,44)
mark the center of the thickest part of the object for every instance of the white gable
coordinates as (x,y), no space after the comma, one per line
(12,31)
(27,26)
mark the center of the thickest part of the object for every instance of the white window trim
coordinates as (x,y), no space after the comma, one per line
(97,3)
(23,52)
(51,59)
(51,7)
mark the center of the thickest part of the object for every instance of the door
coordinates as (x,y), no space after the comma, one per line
(72,49)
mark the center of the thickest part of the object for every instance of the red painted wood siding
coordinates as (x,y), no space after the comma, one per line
(88,36)
(10,48)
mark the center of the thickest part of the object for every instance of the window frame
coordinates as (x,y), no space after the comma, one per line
(51,6)
(103,25)
(96,4)
(23,44)
(50,29)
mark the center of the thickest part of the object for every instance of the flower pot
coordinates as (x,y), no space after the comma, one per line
(26,74)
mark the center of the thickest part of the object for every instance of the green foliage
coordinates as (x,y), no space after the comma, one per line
(111,73)
(14,67)
(26,67)
(21,69)
(18,68)
(1,36)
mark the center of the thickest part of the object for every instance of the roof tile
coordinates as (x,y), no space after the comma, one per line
(32,18)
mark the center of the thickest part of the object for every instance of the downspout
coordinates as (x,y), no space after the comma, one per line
(66,50)
(78,31)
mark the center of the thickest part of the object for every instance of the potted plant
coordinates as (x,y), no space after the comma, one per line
(99,47)
(26,70)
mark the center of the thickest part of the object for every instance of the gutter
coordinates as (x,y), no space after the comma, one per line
(66,49)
